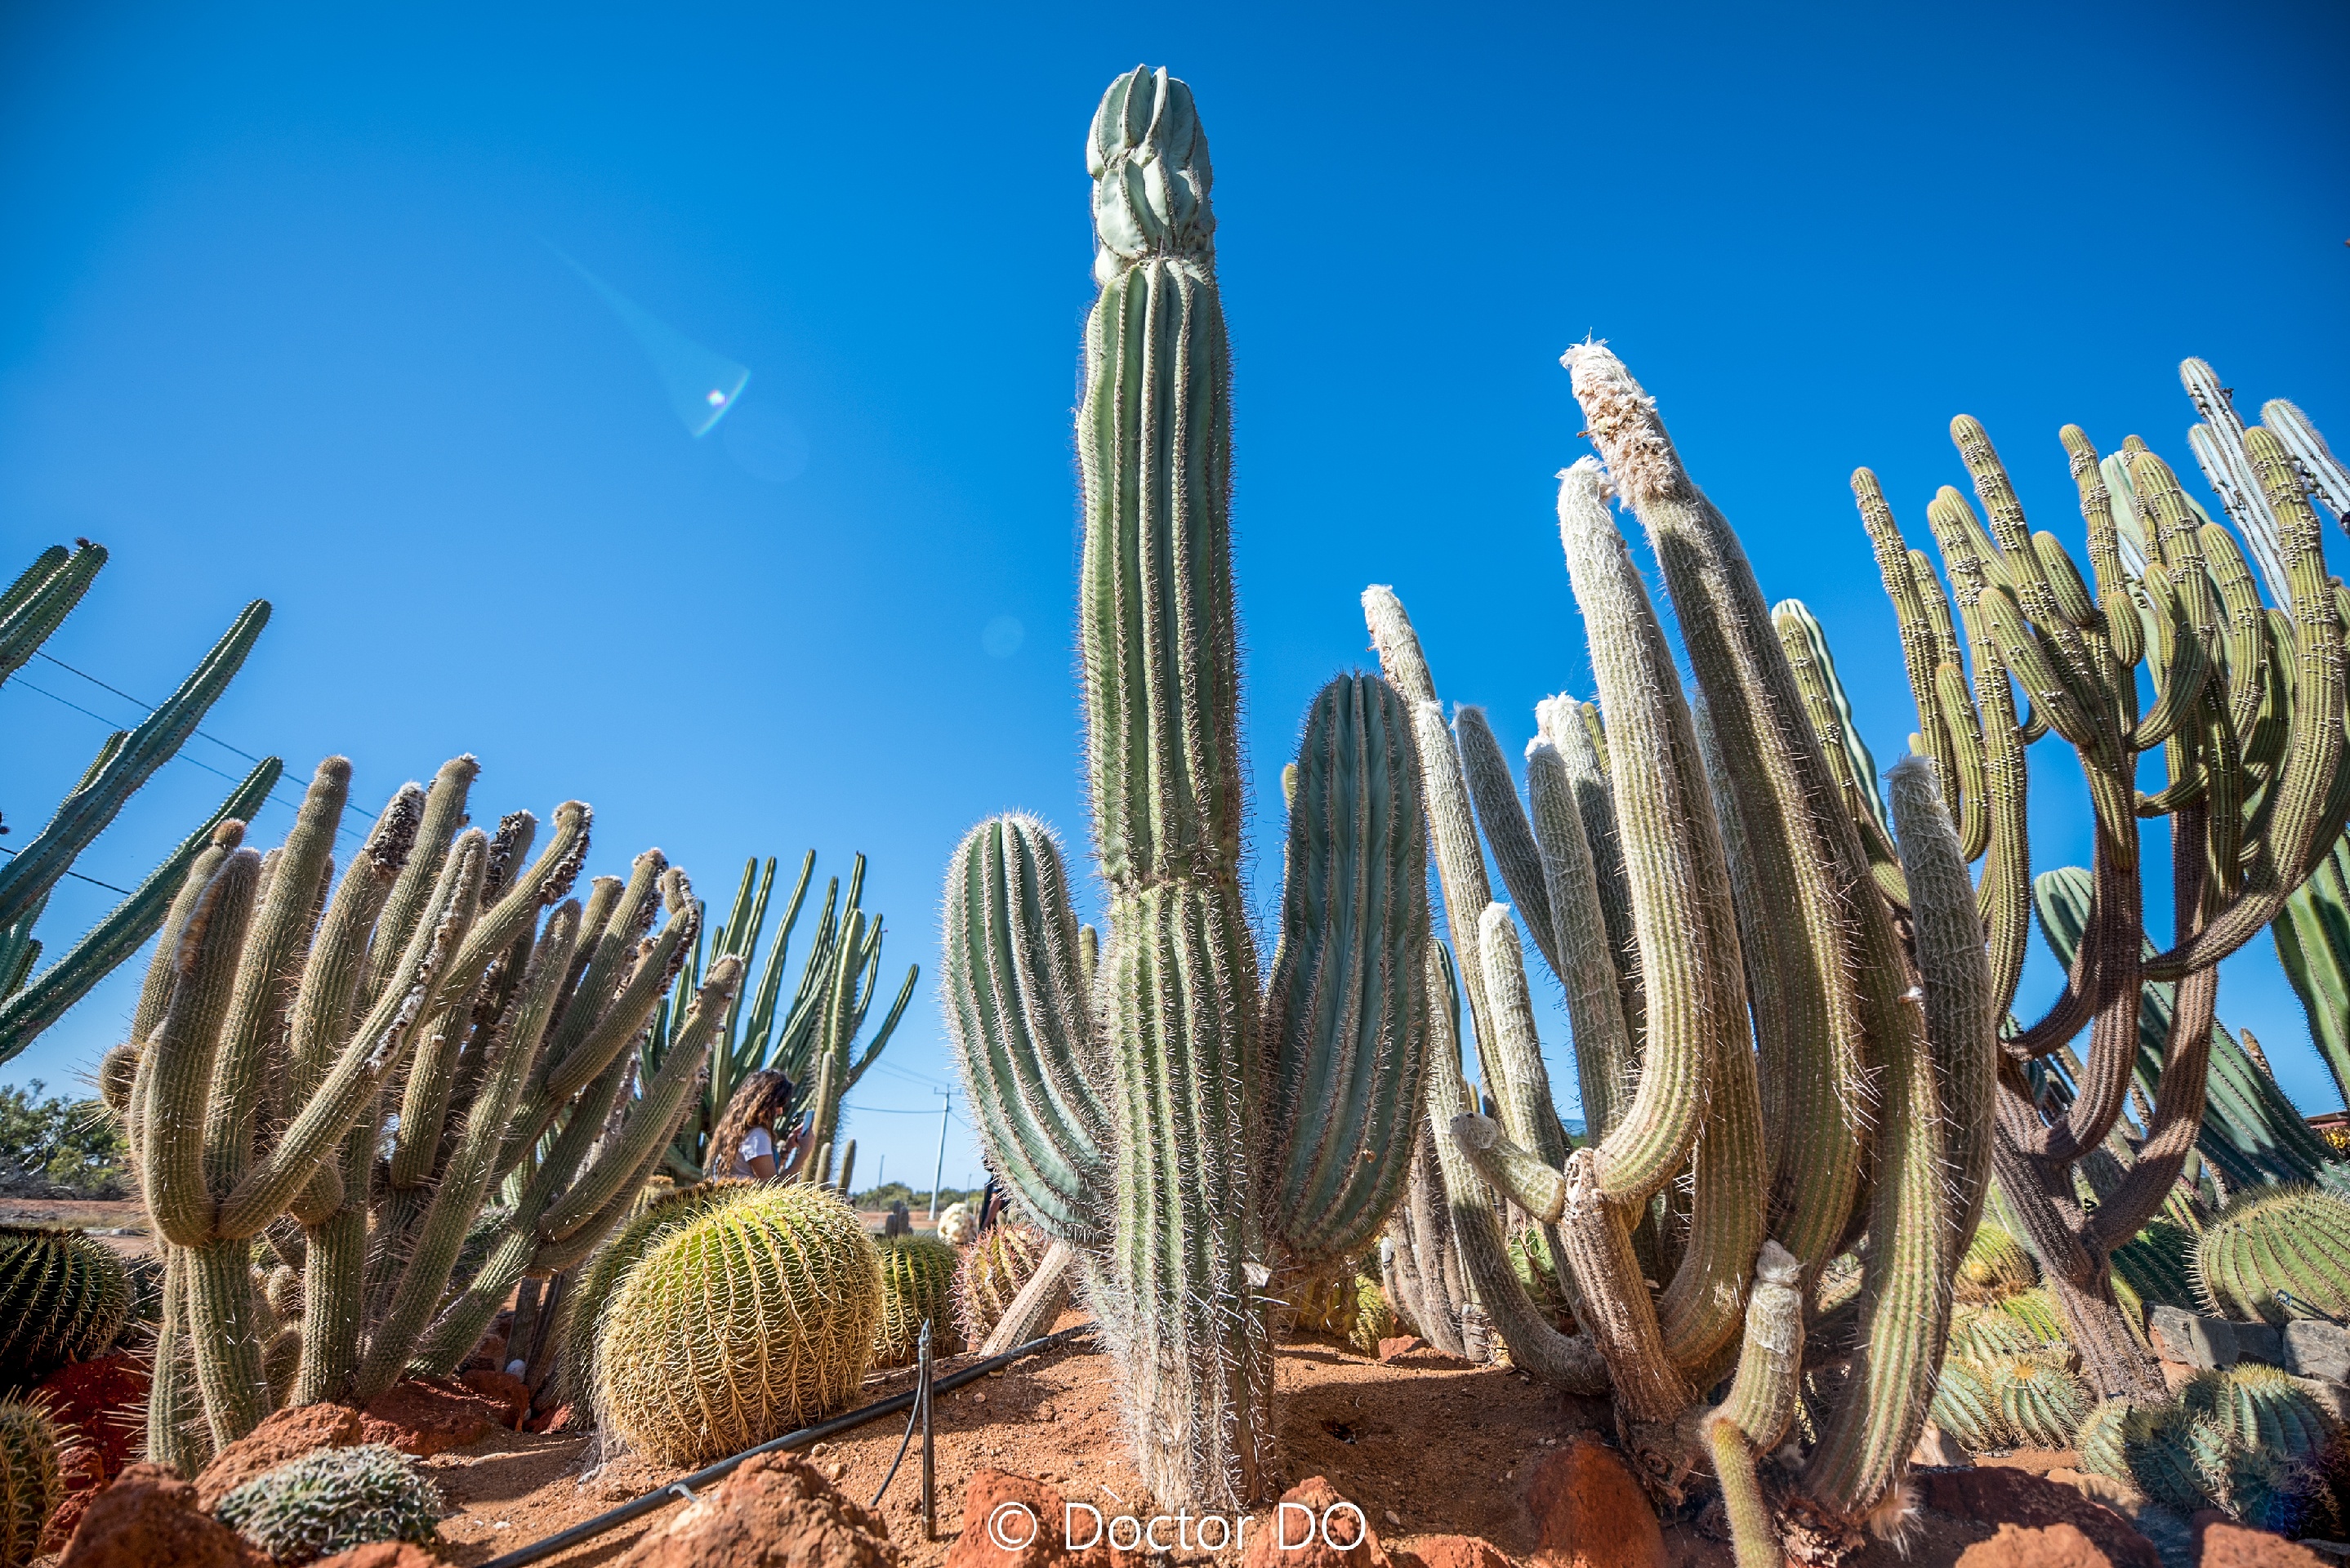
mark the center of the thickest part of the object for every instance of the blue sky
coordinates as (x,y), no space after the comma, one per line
(285,312)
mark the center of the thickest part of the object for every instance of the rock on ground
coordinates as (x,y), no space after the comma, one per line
(382,1555)
(775,1511)
(1998,1495)
(148,1518)
(1340,1534)
(1016,1522)
(2229,1545)
(2058,1545)
(1590,1510)
(1450,1552)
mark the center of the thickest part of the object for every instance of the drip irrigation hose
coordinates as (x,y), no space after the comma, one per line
(588,1530)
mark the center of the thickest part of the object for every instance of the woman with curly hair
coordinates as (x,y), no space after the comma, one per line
(747,1142)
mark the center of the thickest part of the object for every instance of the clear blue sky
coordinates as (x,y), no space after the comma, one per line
(282,313)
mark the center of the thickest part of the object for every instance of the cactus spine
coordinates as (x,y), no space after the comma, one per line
(280,1022)
(1188,1133)
(32,607)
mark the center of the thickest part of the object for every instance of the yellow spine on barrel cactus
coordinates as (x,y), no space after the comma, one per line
(30,1484)
(993,1269)
(751,1320)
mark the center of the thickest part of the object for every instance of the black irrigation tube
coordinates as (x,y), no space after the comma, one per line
(588,1530)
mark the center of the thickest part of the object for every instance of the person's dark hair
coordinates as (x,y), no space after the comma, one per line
(758,1101)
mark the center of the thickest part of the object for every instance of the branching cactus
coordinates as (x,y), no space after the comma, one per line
(1189,1135)
(340,1081)
(1755,1026)
(2247,709)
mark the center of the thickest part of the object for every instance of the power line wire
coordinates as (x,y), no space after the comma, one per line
(77,875)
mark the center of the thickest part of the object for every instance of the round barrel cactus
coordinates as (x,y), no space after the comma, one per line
(741,1326)
(2178,1459)
(2294,1239)
(1530,1259)
(591,1290)
(993,1270)
(1965,1408)
(30,1487)
(2038,1314)
(332,1500)
(63,1297)
(1996,1265)
(2273,1492)
(2257,1406)
(1348,1306)
(918,1276)
(2041,1402)
(2104,1435)
(2158,1265)
(1985,1333)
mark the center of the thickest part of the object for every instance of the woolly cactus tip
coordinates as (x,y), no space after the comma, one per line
(1621,421)
(1149,159)
(1476,1132)
(1774,1265)
(228,835)
(2212,401)
(394,838)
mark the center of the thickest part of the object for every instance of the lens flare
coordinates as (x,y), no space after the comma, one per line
(703,385)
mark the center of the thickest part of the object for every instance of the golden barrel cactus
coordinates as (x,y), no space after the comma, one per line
(751,1320)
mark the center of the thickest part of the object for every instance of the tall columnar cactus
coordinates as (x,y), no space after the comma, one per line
(2247,709)
(448,983)
(32,607)
(812,1039)
(1188,1134)
(1737,989)
(63,1296)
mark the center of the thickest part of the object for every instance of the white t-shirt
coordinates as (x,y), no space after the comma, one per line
(757,1142)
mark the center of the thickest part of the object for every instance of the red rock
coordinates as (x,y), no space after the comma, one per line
(1029,1527)
(1333,1541)
(1999,1495)
(81,1472)
(555,1420)
(148,1518)
(429,1416)
(1450,1552)
(1391,1349)
(382,1555)
(501,1389)
(775,1511)
(2045,1546)
(105,1401)
(1590,1510)
(286,1435)
(2229,1545)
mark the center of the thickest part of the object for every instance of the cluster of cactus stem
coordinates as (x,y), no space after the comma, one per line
(1187,1130)
(2246,706)
(1773,1059)
(328,1080)
(31,608)
(812,1038)
(2248,1438)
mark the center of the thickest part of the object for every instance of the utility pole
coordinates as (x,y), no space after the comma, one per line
(880,1169)
(946,1102)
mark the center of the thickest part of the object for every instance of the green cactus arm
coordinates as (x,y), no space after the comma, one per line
(611,957)
(626,1012)
(1973,776)
(2106,565)
(1016,1009)
(1760,1406)
(85,813)
(1573,728)
(226,1323)
(1604,1057)
(2181,665)
(1803,642)
(888,1027)
(163,972)
(41,597)
(2328,480)
(374,1050)
(405,907)
(2071,593)
(26,1013)
(457,1196)
(2246,638)
(1508,833)
(1955,976)
(1805,850)
(1346,1013)
(1518,1081)
(1920,653)
(839,1023)
(267,974)
(1651,743)
(180,1055)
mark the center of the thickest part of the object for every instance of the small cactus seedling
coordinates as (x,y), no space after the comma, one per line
(917,1286)
(63,1297)
(30,1487)
(2277,1255)
(332,1500)
(754,1318)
